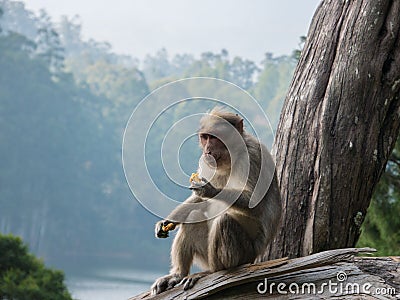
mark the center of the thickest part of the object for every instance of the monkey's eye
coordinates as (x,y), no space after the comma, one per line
(207,136)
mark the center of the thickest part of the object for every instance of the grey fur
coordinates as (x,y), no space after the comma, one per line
(243,231)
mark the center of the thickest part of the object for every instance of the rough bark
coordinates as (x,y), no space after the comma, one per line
(338,126)
(337,266)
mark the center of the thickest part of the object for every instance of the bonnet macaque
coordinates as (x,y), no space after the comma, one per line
(234,210)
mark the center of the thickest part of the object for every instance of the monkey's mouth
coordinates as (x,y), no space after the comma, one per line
(211,159)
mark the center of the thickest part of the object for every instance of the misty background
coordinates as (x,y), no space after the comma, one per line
(68,85)
(137,28)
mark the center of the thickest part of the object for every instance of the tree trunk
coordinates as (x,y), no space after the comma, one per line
(338,126)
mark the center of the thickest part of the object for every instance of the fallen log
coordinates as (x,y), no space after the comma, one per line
(335,273)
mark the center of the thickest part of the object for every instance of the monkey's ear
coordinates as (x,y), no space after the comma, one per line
(239,126)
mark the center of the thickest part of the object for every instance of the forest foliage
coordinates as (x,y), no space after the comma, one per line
(64,103)
(23,276)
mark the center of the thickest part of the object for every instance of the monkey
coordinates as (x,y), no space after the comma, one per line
(231,215)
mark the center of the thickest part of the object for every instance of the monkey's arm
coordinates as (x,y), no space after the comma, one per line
(229,195)
(179,215)
(239,198)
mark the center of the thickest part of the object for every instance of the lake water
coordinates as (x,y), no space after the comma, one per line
(110,284)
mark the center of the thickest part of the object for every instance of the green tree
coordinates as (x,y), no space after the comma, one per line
(1,14)
(48,44)
(297,52)
(211,65)
(273,83)
(157,66)
(242,72)
(381,229)
(17,18)
(62,185)
(23,276)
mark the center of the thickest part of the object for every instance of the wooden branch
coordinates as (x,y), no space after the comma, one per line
(307,272)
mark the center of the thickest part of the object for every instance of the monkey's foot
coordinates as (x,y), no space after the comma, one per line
(189,281)
(165,283)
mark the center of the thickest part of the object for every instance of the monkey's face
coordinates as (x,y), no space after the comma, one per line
(215,153)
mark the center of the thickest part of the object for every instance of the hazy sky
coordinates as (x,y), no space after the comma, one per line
(248,28)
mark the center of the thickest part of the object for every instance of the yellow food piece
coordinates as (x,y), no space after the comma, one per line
(195,177)
(170,226)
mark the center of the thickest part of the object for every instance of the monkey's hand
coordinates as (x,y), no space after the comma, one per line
(204,189)
(165,283)
(163,227)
